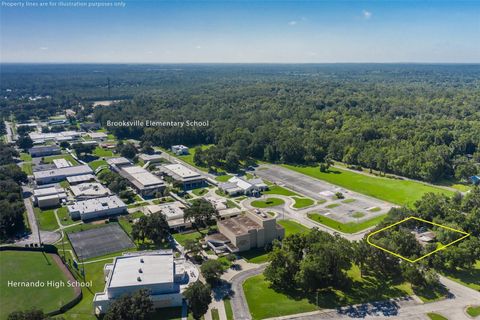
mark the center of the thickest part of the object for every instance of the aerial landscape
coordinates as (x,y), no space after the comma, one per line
(235,160)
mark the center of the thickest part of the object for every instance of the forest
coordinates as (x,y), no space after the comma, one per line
(417,121)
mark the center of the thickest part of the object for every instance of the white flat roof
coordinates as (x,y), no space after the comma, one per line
(80,178)
(97,204)
(41,192)
(156,268)
(142,176)
(89,189)
(118,160)
(182,171)
(171,210)
(61,163)
(68,171)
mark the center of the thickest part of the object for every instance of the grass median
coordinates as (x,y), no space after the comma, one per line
(349,227)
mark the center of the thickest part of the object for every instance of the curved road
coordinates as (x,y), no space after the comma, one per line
(238,300)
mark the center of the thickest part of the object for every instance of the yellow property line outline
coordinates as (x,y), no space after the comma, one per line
(419,219)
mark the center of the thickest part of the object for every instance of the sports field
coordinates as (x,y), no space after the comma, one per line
(402,192)
(28,266)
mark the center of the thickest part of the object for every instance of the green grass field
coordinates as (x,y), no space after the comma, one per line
(473,311)
(100,152)
(257,255)
(215,315)
(469,278)
(228,309)
(46,219)
(269,202)
(349,201)
(97,163)
(275,189)
(64,216)
(302,202)
(223,178)
(195,235)
(332,205)
(402,192)
(292,227)
(25,156)
(350,227)
(67,157)
(27,168)
(436,316)
(31,266)
(264,302)
(199,191)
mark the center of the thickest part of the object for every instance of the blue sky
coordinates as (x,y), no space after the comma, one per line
(244,31)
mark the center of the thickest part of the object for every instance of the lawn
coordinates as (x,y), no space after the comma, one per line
(228,309)
(223,178)
(64,216)
(31,266)
(302,202)
(292,227)
(333,205)
(349,201)
(67,157)
(97,163)
(264,302)
(25,156)
(275,189)
(436,316)
(46,219)
(350,227)
(27,168)
(200,191)
(215,315)
(474,311)
(100,152)
(469,278)
(269,202)
(182,237)
(257,255)
(402,192)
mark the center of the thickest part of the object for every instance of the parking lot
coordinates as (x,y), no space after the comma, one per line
(354,207)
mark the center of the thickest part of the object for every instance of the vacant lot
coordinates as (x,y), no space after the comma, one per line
(402,192)
(31,266)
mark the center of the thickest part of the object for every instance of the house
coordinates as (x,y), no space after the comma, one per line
(475,180)
(43,151)
(157,271)
(144,182)
(97,208)
(187,177)
(179,150)
(49,196)
(254,229)
(89,190)
(238,186)
(59,174)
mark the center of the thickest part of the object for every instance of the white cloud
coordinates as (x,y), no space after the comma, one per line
(366,14)
(43,48)
(198,47)
(292,23)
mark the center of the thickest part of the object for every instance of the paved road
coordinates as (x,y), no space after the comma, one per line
(47,237)
(239,302)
